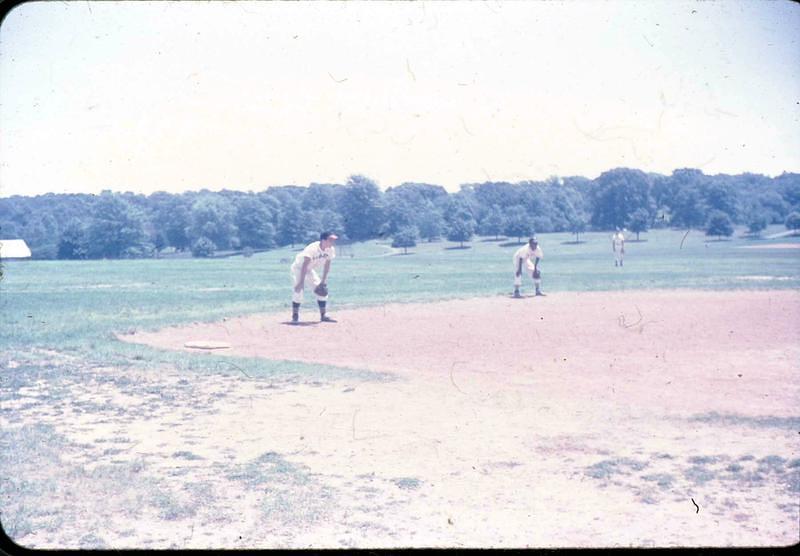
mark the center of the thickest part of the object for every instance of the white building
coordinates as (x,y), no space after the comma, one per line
(14,249)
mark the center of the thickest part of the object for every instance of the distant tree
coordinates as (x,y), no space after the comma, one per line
(518,223)
(639,222)
(253,221)
(494,223)
(295,224)
(171,219)
(116,228)
(73,242)
(361,208)
(721,196)
(719,224)
(203,247)
(319,196)
(405,238)
(793,221)
(213,217)
(430,223)
(399,214)
(320,220)
(461,227)
(788,185)
(501,194)
(689,209)
(616,194)
(757,223)
(542,223)
(577,225)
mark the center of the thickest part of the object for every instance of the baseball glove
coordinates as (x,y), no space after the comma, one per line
(537,274)
(321,290)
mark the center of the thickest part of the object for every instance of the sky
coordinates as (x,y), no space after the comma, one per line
(181,96)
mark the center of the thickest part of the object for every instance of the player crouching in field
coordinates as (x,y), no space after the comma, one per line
(305,263)
(525,254)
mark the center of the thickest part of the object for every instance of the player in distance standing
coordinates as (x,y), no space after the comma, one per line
(618,246)
(316,254)
(524,255)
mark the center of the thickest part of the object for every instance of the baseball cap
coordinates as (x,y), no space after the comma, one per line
(327,235)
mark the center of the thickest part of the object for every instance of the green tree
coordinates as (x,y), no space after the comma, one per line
(689,209)
(719,224)
(171,218)
(430,223)
(203,247)
(361,208)
(116,229)
(405,238)
(74,241)
(793,221)
(212,217)
(639,222)
(319,197)
(518,223)
(399,214)
(253,220)
(577,225)
(461,227)
(616,194)
(757,223)
(721,196)
(494,223)
(295,224)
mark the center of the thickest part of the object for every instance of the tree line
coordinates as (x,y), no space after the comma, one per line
(205,223)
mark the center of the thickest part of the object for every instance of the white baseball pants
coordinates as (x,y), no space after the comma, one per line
(297,297)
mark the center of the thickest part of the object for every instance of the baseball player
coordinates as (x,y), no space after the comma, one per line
(316,254)
(618,246)
(524,255)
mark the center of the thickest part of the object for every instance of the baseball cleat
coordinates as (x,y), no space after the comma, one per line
(327,319)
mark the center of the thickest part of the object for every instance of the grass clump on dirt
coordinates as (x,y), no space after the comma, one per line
(733,419)
(290,496)
(607,468)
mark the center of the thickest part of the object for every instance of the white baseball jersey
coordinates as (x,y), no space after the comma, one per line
(317,255)
(526,253)
(617,240)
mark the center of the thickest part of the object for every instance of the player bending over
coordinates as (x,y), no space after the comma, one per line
(525,254)
(305,264)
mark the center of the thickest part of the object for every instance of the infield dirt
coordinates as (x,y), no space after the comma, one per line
(647,418)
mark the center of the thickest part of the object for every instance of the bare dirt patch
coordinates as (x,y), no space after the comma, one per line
(664,418)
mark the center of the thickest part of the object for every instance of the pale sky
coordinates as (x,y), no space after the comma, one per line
(176,96)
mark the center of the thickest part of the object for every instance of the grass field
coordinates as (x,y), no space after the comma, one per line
(58,321)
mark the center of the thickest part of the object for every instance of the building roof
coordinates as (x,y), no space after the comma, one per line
(14,249)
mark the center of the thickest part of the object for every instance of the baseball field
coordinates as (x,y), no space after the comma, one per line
(653,405)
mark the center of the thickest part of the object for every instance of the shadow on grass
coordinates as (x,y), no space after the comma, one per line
(457,248)
(512,244)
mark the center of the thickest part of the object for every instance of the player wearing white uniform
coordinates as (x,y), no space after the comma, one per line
(618,246)
(319,253)
(525,254)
